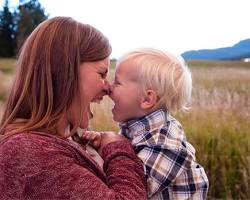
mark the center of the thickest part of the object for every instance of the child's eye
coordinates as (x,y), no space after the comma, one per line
(117,83)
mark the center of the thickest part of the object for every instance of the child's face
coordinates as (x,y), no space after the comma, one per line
(125,92)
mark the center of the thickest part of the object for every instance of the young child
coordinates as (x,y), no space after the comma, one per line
(149,86)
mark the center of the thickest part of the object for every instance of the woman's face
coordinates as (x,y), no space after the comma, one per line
(94,86)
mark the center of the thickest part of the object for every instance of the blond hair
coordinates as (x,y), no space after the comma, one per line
(166,74)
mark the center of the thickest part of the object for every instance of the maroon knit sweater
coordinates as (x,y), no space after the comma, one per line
(42,166)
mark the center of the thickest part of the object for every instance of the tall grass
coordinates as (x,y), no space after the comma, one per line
(218,124)
(219,128)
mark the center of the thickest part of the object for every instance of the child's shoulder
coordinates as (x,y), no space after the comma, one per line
(171,124)
(172,130)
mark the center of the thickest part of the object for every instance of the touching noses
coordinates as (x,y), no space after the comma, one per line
(107,87)
(111,91)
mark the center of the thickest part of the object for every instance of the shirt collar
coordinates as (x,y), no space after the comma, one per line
(136,127)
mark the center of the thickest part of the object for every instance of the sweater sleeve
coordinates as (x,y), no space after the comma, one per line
(124,178)
(38,169)
(124,171)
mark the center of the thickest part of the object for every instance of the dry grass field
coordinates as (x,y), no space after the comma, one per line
(218,124)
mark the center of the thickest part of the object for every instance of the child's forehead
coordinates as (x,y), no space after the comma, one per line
(126,67)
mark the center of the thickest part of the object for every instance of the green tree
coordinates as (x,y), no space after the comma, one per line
(7,32)
(29,15)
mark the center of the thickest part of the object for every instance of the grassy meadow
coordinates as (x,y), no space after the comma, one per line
(218,124)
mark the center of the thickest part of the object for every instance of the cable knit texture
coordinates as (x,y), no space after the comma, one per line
(42,166)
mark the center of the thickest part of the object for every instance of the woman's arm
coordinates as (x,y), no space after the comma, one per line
(124,178)
(40,167)
(124,171)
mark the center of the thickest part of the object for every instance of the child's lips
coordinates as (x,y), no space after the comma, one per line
(113,109)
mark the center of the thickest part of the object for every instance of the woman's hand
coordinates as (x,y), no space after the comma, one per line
(108,137)
(100,139)
(93,138)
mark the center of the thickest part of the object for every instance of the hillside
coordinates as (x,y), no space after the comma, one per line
(238,51)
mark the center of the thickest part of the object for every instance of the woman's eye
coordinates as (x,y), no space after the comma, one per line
(103,75)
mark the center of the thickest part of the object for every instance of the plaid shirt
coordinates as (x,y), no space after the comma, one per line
(169,160)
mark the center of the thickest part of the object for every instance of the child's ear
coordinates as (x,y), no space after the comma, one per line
(149,100)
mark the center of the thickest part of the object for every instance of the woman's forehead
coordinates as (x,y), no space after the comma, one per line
(102,64)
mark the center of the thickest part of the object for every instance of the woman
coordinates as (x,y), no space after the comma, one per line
(62,68)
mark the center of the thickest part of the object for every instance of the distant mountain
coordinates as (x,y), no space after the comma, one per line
(239,51)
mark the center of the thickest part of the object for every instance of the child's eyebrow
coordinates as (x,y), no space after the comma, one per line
(116,78)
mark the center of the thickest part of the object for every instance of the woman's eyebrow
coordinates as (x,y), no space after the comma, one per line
(105,71)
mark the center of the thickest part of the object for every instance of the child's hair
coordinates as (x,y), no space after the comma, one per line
(166,74)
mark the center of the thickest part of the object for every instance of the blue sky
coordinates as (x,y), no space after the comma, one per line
(170,25)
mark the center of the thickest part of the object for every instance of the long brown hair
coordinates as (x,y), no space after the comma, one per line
(47,76)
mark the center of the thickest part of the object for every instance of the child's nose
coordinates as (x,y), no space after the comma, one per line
(111,89)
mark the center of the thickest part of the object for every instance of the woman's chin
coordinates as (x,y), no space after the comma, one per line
(85,122)
(84,125)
